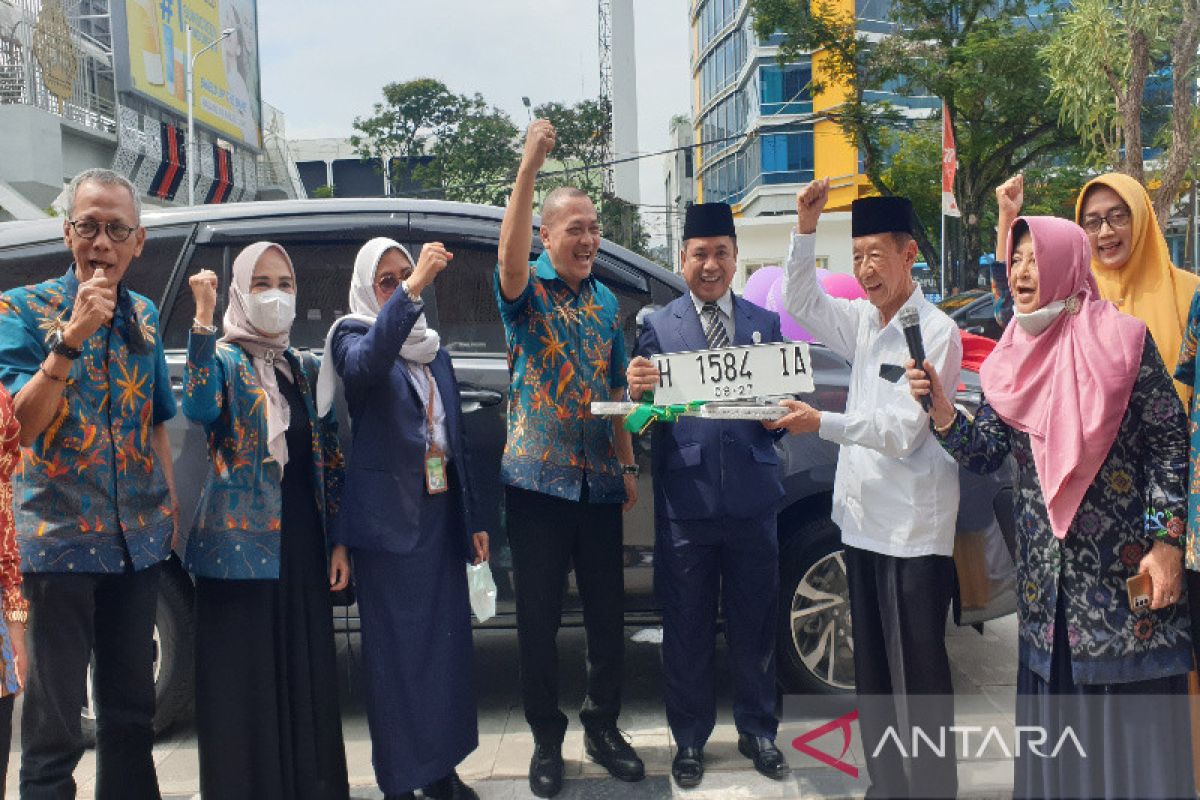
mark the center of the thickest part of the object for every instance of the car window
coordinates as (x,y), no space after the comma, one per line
(183,309)
(466,315)
(148,275)
(33,263)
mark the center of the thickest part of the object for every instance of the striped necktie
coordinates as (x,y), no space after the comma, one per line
(715,332)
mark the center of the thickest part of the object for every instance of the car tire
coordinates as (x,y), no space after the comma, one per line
(174,666)
(814,644)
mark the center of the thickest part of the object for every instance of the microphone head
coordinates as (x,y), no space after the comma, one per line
(910,318)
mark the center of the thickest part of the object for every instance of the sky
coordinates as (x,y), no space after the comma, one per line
(325,63)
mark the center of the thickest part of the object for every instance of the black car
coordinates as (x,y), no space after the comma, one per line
(322,236)
(973,312)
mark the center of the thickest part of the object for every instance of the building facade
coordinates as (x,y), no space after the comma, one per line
(762,134)
(78,91)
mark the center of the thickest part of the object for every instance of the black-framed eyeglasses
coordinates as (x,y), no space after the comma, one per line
(90,229)
(1117,218)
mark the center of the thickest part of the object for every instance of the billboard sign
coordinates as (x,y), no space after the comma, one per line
(150,45)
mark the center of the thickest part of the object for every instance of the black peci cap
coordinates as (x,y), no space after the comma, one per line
(708,219)
(871,215)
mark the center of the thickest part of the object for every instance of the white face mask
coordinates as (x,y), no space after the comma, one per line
(271,312)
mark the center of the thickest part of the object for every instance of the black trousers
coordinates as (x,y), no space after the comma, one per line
(69,616)
(699,562)
(902,670)
(548,535)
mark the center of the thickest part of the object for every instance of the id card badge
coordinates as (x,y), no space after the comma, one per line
(435,470)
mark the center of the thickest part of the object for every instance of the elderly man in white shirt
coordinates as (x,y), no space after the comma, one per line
(895,497)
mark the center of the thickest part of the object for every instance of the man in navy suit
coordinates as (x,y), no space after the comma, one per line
(716,491)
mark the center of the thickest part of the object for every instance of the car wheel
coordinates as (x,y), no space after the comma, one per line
(815,644)
(173,657)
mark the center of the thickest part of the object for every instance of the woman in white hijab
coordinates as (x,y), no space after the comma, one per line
(267,717)
(407,518)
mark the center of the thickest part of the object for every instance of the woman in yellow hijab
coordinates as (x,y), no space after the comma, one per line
(1129,259)
(1132,264)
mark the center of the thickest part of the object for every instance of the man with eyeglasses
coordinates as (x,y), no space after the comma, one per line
(95,501)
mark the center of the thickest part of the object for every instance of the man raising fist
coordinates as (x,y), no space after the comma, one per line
(567,474)
(95,502)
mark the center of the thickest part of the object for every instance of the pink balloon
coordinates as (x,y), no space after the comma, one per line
(835,284)
(839,284)
(759,283)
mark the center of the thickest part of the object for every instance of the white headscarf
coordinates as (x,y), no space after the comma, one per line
(422,343)
(265,351)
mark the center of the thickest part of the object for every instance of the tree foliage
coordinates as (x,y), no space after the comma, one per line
(452,145)
(978,56)
(1105,55)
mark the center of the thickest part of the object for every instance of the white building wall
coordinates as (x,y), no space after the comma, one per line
(626,176)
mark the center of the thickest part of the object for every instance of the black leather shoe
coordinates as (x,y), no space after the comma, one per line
(546,770)
(608,748)
(450,787)
(765,755)
(688,767)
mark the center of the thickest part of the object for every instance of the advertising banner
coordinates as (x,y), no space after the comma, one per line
(150,44)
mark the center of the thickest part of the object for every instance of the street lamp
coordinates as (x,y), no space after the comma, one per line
(191,134)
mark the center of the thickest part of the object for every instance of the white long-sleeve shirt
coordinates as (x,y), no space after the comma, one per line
(896,490)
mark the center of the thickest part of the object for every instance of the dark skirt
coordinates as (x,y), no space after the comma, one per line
(417,655)
(268,723)
(1133,739)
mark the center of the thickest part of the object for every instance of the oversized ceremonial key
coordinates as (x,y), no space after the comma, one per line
(733,373)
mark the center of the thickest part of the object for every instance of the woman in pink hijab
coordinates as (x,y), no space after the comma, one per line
(1077,393)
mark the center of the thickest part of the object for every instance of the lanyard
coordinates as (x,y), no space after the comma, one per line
(429,405)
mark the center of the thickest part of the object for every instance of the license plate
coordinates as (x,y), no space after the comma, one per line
(734,373)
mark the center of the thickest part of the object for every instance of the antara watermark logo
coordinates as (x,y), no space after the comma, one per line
(977,741)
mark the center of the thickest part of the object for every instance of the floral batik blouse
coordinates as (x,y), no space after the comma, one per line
(1137,498)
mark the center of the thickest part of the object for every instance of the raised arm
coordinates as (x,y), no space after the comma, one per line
(832,320)
(203,374)
(37,403)
(516,231)
(366,359)
(1010,197)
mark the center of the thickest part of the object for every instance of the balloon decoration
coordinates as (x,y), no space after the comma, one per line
(765,289)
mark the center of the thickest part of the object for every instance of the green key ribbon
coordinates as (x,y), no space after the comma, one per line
(645,415)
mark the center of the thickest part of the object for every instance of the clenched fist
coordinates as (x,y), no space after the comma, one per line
(1010,196)
(810,202)
(95,304)
(204,289)
(539,141)
(433,259)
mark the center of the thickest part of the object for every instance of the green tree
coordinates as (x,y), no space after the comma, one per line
(1102,60)
(583,133)
(452,145)
(978,56)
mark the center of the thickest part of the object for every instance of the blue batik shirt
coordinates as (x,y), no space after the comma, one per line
(565,349)
(90,495)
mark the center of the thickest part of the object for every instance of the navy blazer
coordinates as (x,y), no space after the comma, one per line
(384,503)
(708,469)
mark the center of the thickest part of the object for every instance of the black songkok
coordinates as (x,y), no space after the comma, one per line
(708,219)
(871,215)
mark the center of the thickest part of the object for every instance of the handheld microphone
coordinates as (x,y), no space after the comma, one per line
(910,321)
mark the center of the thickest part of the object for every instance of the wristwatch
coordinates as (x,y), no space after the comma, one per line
(20,615)
(203,330)
(61,348)
(631,469)
(416,298)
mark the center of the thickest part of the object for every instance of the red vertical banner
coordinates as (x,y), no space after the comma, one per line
(949,166)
